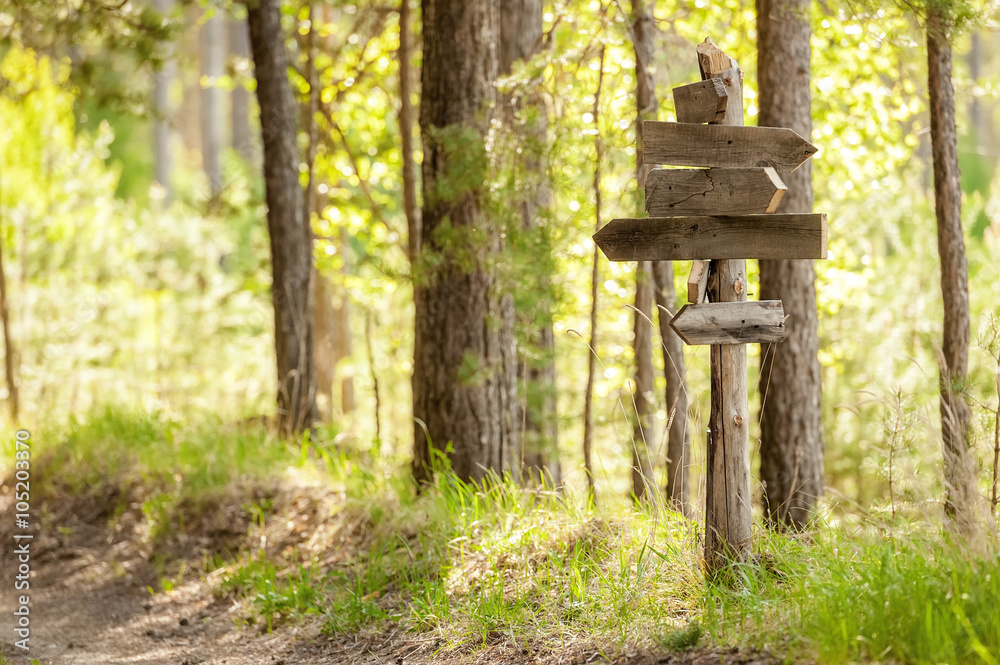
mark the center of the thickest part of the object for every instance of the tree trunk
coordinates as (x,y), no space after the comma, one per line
(791,449)
(643,483)
(642,328)
(404,54)
(520,37)
(595,276)
(464,375)
(162,162)
(291,237)
(325,350)
(8,342)
(678,433)
(213,55)
(959,473)
(644,30)
(239,50)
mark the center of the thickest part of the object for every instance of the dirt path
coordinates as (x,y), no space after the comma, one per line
(90,605)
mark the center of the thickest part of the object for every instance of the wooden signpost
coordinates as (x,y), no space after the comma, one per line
(718,217)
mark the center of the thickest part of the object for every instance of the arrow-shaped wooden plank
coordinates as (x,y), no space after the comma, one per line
(723,146)
(704,101)
(752,322)
(712,191)
(774,236)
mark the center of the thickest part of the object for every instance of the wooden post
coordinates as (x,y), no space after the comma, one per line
(727,504)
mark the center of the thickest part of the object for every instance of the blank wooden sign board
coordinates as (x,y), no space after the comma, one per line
(719,216)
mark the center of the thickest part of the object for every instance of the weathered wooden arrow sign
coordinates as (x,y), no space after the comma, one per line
(770,236)
(712,191)
(748,322)
(704,101)
(723,146)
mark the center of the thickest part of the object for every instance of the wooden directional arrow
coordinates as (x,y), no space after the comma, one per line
(712,191)
(723,146)
(773,236)
(749,322)
(704,101)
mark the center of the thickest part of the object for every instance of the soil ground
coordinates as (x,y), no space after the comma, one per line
(90,605)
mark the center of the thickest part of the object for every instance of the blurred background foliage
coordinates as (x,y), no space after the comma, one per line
(117,297)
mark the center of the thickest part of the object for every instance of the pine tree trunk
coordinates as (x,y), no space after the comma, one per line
(8,344)
(791,450)
(464,375)
(644,30)
(162,162)
(520,37)
(239,50)
(404,54)
(959,473)
(291,238)
(678,433)
(213,55)
(642,329)
(643,483)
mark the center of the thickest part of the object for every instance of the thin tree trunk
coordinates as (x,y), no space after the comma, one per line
(520,37)
(644,33)
(678,433)
(404,54)
(464,375)
(291,238)
(791,449)
(643,483)
(162,162)
(8,342)
(239,50)
(213,55)
(325,351)
(595,276)
(959,474)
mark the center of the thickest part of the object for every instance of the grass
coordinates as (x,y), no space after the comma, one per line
(471,563)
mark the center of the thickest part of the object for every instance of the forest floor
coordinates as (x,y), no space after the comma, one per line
(98,597)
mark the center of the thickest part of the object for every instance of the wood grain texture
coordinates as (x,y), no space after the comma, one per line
(697,281)
(751,322)
(704,101)
(728,525)
(721,146)
(777,236)
(712,191)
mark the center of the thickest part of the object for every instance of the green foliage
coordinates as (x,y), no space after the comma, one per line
(907,597)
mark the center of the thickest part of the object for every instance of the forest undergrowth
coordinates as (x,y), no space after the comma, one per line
(324,530)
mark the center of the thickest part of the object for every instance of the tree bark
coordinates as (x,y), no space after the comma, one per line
(791,450)
(520,38)
(8,343)
(675,370)
(959,472)
(464,376)
(404,54)
(644,30)
(290,235)
(643,483)
(239,50)
(162,162)
(595,275)
(213,55)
